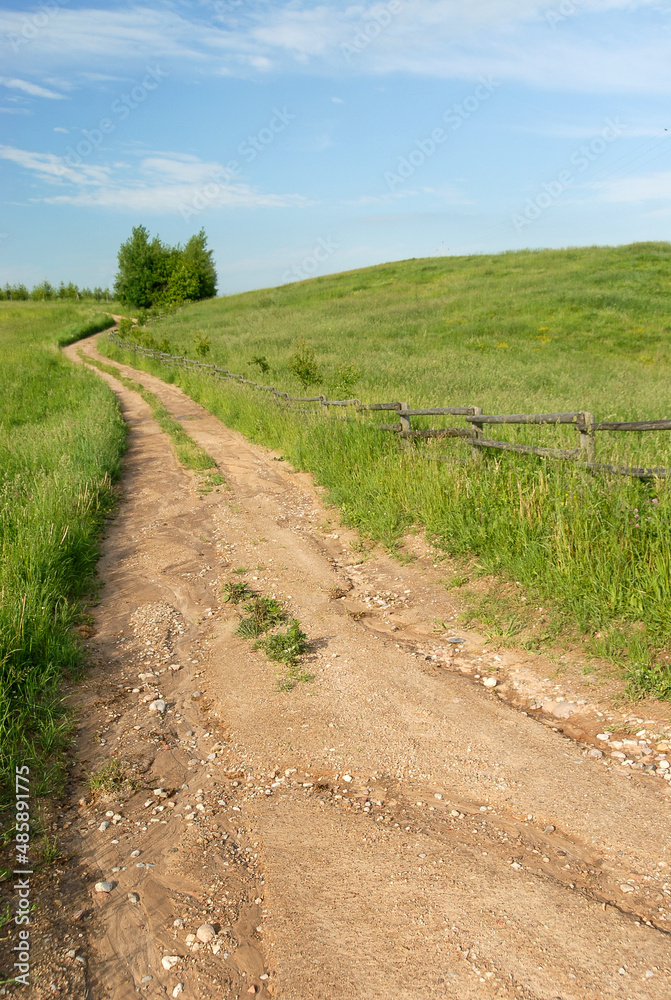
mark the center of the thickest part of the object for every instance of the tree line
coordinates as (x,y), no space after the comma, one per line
(46,292)
(152,274)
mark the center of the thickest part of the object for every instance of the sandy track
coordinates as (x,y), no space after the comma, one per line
(474,853)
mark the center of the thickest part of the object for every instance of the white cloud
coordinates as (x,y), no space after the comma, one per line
(164,182)
(567,130)
(55,169)
(599,48)
(648,187)
(380,199)
(449,194)
(30,88)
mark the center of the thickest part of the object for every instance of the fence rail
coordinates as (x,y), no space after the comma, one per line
(583,421)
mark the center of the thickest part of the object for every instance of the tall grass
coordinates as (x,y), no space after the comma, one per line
(545,331)
(61,442)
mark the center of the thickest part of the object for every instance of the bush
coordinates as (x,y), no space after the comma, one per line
(303,364)
(344,380)
(202,347)
(262,363)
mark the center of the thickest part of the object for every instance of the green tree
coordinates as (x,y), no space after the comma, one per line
(152,273)
(198,259)
(43,292)
(69,291)
(143,269)
(182,285)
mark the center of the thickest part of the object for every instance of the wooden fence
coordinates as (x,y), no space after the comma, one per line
(584,423)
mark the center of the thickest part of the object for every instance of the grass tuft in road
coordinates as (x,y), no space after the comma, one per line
(261,615)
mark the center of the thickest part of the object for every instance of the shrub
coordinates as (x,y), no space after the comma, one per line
(303,364)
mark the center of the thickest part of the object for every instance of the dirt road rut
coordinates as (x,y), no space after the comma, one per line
(389,829)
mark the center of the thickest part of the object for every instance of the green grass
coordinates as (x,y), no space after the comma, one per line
(112,778)
(261,615)
(236,593)
(61,442)
(285,647)
(540,331)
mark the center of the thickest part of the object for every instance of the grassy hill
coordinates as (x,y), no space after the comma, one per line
(516,332)
(533,330)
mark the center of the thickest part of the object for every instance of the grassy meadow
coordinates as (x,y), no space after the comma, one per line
(533,331)
(61,443)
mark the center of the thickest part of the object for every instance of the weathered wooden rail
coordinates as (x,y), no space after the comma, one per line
(584,423)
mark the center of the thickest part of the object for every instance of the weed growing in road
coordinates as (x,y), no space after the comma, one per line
(285,647)
(49,849)
(236,593)
(293,675)
(261,614)
(210,480)
(112,777)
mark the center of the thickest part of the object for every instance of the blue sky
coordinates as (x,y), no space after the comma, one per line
(308,138)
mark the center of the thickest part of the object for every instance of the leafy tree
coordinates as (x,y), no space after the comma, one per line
(152,273)
(198,259)
(18,293)
(142,271)
(182,285)
(43,292)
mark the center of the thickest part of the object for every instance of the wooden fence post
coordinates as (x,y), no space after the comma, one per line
(403,416)
(404,421)
(477,433)
(587,438)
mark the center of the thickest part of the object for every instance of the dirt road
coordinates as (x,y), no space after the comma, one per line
(390,828)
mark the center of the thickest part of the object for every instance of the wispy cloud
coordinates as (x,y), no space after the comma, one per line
(32,89)
(53,169)
(648,187)
(160,182)
(446,39)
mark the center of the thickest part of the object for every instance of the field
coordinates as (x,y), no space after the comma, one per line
(60,450)
(517,332)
